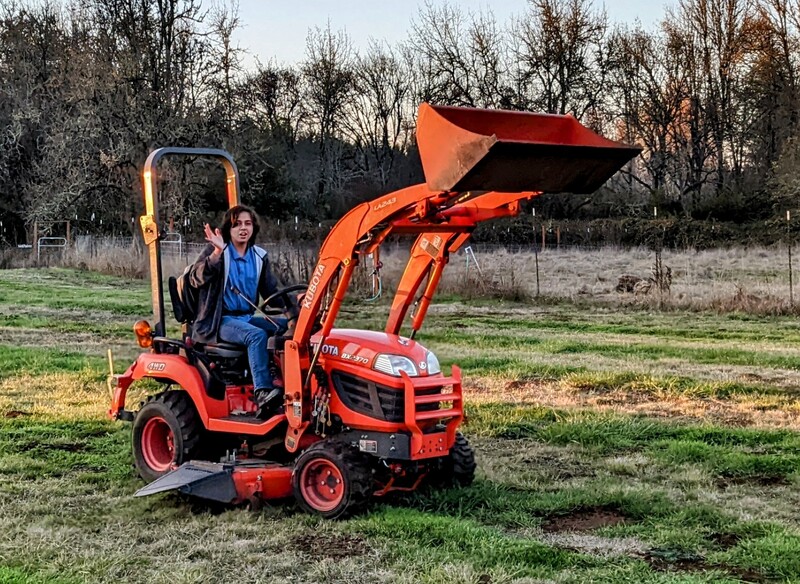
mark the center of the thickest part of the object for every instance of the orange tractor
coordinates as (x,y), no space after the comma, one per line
(365,412)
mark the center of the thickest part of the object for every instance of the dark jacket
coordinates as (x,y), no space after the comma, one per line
(209,275)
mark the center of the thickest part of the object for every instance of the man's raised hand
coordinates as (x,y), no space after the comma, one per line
(214,237)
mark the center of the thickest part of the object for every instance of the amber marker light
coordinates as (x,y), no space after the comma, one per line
(144,333)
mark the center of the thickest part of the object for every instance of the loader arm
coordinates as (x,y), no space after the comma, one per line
(415,209)
(478,165)
(431,251)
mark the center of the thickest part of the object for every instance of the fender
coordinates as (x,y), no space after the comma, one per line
(168,368)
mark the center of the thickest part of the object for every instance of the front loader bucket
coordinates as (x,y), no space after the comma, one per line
(466,149)
(206,480)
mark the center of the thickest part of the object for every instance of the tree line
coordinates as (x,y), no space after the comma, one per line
(88,88)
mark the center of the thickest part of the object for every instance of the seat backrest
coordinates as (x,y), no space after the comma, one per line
(184,297)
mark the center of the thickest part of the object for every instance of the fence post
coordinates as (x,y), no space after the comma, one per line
(789,246)
(35,245)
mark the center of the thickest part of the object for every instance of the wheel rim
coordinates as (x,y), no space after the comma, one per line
(322,484)
(158,444)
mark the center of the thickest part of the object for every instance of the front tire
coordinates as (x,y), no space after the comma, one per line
(166,433)
(457,468)
(332,480)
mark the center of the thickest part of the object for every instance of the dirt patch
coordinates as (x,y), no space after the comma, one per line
(41,446)
(725,540)
(16,414)
(750,576)
(584,520)
(674,561)
(557,466)
(327,545)
(677,561)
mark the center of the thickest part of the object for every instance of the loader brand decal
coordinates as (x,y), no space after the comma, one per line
(156,366)
(384,203)
(356,358)
(331,350)
(308,299)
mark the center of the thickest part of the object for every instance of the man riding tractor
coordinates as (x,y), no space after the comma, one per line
(364,413)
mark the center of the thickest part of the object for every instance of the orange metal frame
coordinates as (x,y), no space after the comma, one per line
(479,165)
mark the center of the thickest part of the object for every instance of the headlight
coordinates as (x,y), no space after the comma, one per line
(433,364)
(394,364)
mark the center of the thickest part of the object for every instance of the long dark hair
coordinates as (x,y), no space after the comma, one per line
(231,215)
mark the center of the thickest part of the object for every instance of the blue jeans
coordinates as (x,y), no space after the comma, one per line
(252,333)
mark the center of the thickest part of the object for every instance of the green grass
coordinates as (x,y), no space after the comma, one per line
(632,350)
(33,361)
(67,290)
(434,539)
(96,450)
(663,326)
(76,324)
(678,499)
(10,575)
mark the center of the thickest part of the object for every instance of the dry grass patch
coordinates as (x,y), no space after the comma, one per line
(756,411)
(75,396)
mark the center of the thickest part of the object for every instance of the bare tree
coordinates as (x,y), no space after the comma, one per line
(328,82)
(459,57)
(225,62)
(377,120)
(715,36)
(562,64)
(651,84)
(771,86)
(273,99)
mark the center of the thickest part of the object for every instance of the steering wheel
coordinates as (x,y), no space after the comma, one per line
(291,307)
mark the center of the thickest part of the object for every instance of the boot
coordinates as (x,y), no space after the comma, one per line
(268,400)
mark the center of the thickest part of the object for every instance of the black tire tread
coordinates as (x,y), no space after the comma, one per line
(181,406)
(463,460)
(455,469)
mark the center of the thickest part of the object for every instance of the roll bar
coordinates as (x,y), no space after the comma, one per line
(149,221)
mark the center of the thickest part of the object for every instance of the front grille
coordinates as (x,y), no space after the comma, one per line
(375,400)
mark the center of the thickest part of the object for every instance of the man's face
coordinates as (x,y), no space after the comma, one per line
(242,228)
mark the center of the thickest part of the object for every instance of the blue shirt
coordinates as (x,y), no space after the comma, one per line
(242,273)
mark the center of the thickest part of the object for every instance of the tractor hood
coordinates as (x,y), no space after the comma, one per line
(363,348)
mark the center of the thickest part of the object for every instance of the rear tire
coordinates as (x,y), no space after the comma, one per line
(166,433)
(332,480)
(457,468)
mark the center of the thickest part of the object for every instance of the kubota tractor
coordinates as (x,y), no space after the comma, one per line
(365,412)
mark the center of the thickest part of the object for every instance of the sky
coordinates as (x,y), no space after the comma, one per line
(276,30)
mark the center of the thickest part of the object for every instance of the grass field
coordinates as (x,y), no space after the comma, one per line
(615,444)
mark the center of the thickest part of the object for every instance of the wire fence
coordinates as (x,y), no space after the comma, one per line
(751,278)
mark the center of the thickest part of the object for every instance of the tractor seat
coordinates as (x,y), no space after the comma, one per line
(224,350)
(184,305)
